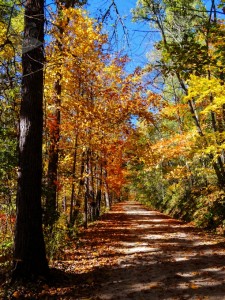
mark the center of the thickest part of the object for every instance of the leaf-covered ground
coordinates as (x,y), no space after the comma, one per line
(136,253)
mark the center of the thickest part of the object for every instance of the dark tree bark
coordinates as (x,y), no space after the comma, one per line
(99,193)
(87,189)
(29,252)
(72,198)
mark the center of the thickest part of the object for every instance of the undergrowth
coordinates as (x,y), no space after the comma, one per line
(59,237)
(204,206)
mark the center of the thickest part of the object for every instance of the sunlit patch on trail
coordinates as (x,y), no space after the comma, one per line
(133,253)
(141,212)
(132,248)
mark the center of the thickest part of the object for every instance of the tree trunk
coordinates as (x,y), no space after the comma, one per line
(87,190)
(86,195)
(51,214)
(107,197)
(52,176)
(99,193)
(29,252)
(72,198)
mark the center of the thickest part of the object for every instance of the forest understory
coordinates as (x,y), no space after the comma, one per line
(134,252)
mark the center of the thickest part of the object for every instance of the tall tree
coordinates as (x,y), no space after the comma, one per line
(29,254)
(51,213)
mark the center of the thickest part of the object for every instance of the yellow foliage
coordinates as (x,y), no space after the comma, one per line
(96,100)
(209,93)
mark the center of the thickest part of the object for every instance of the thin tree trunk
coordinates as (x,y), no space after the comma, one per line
(107,196)
(92,188)
(82,167)
(87,191)
(107,200)
(99,194)
(54,137)
(52,175)
(72,198)
(82,181)
(29,251)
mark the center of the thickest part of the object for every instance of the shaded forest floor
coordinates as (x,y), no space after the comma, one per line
(136,253)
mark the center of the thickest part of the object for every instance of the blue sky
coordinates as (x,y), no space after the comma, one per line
(139,35)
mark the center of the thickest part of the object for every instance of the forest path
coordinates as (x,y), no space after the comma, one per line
(137,253)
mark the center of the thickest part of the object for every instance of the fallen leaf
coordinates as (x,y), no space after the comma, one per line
(16,294)
(193,286)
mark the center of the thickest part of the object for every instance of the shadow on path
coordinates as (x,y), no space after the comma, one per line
(136,253)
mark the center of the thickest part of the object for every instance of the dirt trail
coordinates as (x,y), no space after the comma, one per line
(136,253)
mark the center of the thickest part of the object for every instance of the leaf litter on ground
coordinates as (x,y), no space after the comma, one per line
(136,253)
